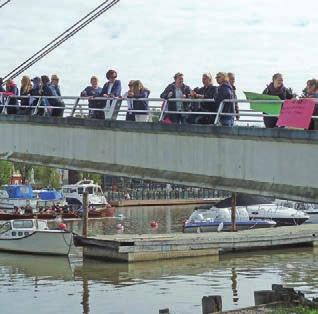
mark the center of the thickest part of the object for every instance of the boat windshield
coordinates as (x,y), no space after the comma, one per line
(201,216)
(89,190)
(22,224)
(5,227)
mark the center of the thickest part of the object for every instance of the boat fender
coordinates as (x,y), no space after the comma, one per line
(119,227)
(220,227)
(62,226)
(154,224)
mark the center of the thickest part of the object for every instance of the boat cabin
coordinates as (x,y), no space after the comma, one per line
(21,228)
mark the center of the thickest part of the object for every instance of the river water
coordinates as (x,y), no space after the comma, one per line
(30,284)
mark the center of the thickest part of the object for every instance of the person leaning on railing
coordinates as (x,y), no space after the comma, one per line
(225,92)
(13,104)
(111,89)
(139,91)
(48,90)
(92,91)
(177,89)
(311,91)
(130,116)
(207,91)
(231,77)
(276,88)
(25,90)
(37,91)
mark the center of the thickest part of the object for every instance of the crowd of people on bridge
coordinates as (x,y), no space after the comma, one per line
(100,99)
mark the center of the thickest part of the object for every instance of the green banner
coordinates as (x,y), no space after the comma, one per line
(267,107)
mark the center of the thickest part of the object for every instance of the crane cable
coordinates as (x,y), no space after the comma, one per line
(4,3)
(60,39)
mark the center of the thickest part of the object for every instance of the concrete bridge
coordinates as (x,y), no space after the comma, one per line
(277,162)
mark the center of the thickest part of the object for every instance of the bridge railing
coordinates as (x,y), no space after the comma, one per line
(117,108)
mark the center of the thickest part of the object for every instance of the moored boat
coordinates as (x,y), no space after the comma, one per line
(219,219)
(17,196)
(74,194)
(33,236)
(259,207)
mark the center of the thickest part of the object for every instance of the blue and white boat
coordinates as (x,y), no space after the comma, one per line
(19,195)
(49,198)
(219,219)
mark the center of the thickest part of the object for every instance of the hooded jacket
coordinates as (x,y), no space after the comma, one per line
(225,91)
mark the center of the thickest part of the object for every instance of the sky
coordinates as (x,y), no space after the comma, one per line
(151,40)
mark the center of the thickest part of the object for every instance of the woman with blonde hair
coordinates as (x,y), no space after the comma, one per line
(139,91)
(207,91)
(225,92)
(25,90)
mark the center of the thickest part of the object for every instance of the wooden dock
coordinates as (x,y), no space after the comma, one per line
(165,202)
(146,247)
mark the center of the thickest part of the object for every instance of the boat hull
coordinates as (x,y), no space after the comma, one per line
(227,226)
(285,221)
(39,242)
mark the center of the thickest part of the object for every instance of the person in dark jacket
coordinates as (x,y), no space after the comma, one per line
(2,90)
(177,89)
(111,89)
(13,104)
(139,91)
(276,88)
(37,91)
(92,91)
(231,77)
(207,91)
(25,90)
(225,92)
(47,90)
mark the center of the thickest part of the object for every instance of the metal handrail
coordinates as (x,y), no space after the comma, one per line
(82,109)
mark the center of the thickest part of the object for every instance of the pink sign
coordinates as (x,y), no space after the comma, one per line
(296,113)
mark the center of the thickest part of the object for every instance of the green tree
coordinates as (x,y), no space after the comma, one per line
(6,169)
(47,177)
(24,169)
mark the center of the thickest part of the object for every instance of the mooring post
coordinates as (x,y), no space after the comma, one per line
(233,212)
(85,214)
(211,304)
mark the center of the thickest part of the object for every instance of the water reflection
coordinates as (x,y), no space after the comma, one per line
(179,284)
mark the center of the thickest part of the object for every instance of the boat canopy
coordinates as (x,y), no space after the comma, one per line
(19,191)
(245,200)
(50,195)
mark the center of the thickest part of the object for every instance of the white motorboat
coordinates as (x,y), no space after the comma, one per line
(17,195)
(219,219)
(259,207)
(74,194)
(308,208)
(33,236)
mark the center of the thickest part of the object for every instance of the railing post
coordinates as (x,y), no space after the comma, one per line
(6,104)
(217,118)
(36,109)
(164,106)
(75,107)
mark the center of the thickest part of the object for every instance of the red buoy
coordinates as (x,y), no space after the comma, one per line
(62,226)
(154,224)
